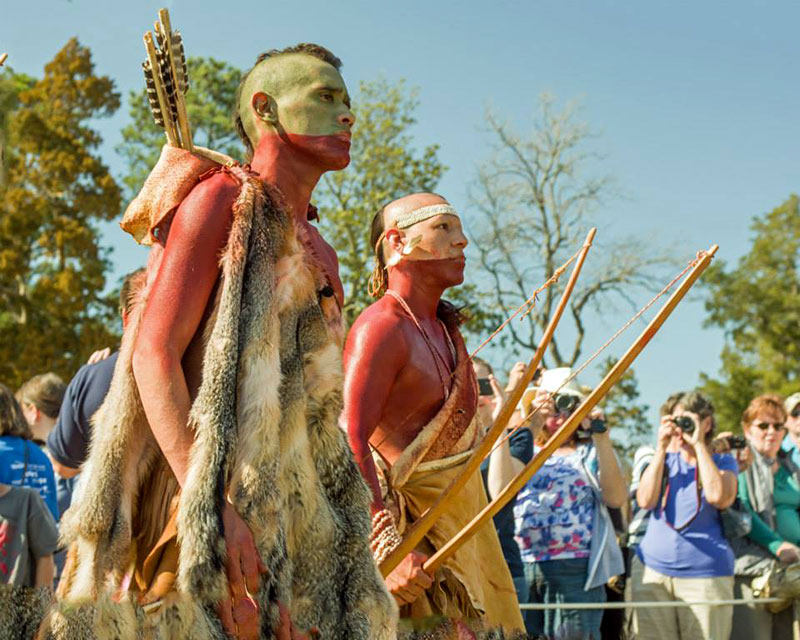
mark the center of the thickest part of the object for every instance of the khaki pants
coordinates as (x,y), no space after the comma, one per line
(701,622)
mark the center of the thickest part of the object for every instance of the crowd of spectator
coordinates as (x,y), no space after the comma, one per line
(700,517)
(45,432)
(694,519)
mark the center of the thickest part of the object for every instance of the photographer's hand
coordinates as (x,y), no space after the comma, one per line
(697,436)
(666,432)
(719,487)
(499,397)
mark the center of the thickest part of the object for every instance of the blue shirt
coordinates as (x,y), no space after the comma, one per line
(789,446)
(38,474)
(698,551)
(68,442)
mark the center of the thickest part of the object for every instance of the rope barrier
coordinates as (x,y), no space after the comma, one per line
(537,606)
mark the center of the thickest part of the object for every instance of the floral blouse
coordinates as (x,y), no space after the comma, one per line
(554,511)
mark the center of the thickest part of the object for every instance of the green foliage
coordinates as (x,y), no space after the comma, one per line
(384,167)
(11,85)
(757,303)
(52,268)
(209,105)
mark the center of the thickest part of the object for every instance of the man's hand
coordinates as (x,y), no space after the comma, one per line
(515,375)
(239,613)
(97,356)
(788,553)
(408,581)
(287,631)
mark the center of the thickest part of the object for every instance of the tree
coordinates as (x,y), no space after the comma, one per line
(625,414)
(209,105)
(533,208)
(52,268)
(11,85)
(757,304)
(384,166)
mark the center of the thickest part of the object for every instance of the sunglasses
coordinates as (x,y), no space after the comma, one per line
(796,412)
(763,426)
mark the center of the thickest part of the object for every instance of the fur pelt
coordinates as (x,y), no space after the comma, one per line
(265,422)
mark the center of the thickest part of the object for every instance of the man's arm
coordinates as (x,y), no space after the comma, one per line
(175,307)
(45,571)
(373,356)
(62,470)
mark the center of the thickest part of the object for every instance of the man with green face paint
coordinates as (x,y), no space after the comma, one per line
(218,473)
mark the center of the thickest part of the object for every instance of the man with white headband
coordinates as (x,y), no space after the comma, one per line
(410,399)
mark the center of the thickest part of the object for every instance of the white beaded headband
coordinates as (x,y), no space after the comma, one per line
(423,213)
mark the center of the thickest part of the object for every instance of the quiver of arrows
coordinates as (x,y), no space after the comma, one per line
(167,80)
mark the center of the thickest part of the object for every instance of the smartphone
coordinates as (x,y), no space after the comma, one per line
(485,387)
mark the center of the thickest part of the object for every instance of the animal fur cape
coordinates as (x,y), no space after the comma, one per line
(265,422)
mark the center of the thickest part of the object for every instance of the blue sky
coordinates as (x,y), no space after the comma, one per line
(696,103)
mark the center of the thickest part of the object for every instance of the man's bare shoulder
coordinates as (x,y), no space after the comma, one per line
(381,316)
(381,326)
(213,194)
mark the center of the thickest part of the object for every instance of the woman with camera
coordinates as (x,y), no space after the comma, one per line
(770,490)
(684,555)
(563,527)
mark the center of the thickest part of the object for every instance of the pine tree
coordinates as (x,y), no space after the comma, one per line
(52,267)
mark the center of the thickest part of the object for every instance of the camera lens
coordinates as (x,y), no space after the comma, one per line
(685,423)
(566,403)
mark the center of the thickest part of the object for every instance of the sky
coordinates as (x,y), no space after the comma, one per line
(695,105)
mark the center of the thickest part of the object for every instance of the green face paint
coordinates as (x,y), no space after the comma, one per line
(308,97)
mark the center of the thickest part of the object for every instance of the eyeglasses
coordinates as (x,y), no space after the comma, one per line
(763,426)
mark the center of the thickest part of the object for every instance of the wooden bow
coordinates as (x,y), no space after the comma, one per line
(418,530)
(567,429)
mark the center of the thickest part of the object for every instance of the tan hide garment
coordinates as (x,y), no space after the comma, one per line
(475,584)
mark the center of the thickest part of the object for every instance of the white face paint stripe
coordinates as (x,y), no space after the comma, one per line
(423,213)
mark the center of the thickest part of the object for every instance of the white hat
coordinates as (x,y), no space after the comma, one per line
(552,381)
(791,402)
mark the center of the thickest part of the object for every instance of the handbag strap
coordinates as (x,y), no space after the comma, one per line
(665,491)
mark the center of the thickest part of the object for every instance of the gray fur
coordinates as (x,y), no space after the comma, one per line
(265,419)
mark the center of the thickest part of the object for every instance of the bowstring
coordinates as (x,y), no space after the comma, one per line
(596,354)
(525,308)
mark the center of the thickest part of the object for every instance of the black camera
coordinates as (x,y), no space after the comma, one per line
(685,423)
(596,425)
(485,387)
(566,402)
(736,442)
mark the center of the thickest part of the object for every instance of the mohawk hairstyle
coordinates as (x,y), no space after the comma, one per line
(308,48)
